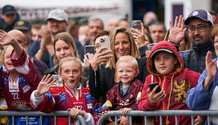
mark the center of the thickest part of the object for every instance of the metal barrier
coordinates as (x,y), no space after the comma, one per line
(38,113)
(160,113)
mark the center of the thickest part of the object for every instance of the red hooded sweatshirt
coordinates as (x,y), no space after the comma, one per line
(175,86)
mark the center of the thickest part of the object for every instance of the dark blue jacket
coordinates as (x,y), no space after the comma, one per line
(194,59)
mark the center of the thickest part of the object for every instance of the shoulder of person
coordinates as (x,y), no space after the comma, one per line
(137,83)
(142,59)
(57,90)
(186,52)
(85,90)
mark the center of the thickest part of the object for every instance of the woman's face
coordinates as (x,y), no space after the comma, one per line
(62,50)
(71,74)
(121,45)
(7,60)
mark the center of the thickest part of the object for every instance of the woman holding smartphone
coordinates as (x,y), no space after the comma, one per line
(97,41)
(103,78)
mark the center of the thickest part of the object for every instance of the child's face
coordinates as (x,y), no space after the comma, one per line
(7,60)
(71,74)
(126,72)
(9,19)
(62,50)
(164,63)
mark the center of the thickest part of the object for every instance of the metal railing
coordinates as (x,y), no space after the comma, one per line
(160,113)
(41,114)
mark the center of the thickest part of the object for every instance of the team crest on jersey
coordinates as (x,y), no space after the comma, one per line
(62,97)
(21,105)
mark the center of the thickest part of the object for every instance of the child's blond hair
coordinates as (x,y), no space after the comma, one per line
(127,59)
(73,59)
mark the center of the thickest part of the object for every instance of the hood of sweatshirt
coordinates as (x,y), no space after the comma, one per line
(167,47)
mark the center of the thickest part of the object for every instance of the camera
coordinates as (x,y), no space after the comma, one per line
(102,40)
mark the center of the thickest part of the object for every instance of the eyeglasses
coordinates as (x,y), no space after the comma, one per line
(200,28)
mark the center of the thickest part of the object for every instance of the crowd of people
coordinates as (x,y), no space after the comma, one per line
(45,67)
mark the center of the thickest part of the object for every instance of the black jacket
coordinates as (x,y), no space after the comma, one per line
(194,59)
(101,81)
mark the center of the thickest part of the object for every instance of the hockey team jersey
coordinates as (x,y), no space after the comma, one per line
(62,98)
(17,93)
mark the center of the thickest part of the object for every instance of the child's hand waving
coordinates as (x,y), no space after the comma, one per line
(45,85)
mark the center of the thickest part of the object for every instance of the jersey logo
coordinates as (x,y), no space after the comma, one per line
(97,109)
(21,105)
(49,96)
(5,80)
(89,98)
(22,80)
(180,89)
(13,85)
(26,88)
(62,97)
(90,105)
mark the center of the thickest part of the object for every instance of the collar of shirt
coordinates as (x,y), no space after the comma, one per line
(75,91)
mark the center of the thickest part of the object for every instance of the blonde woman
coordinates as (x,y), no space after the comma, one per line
(102,79)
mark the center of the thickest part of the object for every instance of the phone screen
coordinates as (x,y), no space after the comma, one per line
(89,49)
(136,24)
(152,86)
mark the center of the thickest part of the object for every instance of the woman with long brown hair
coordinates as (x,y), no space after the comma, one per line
(103,78)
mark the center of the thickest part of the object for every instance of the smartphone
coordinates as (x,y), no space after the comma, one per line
(136,24)
(89,49)
(105,41)
(152,86)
